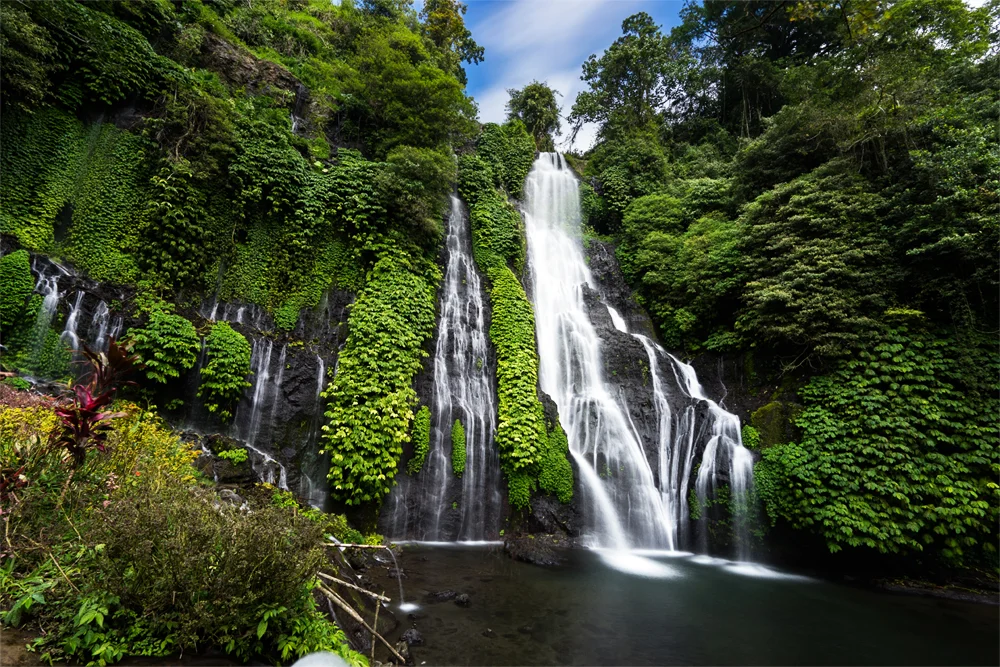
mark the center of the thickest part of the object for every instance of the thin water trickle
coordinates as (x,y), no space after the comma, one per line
(69,335)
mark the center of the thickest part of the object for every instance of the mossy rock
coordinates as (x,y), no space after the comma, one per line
(775,422)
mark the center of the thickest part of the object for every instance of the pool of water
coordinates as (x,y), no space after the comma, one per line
(673,609)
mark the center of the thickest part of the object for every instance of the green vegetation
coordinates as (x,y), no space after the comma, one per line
(99,545)
(498,245)
(16,285)
(213,185)
(814,183)
(371,399)
(898,447)
(458,448)
(235,456)
(168,345)
(535,105)
(224,376)
(421,440)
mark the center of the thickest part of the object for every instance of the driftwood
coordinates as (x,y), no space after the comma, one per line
(339,601)
(341,582)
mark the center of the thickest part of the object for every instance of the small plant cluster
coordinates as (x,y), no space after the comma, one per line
(224,375)
(168,343)
(421,440)
(458,448)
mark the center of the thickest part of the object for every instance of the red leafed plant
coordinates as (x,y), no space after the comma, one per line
(84,424)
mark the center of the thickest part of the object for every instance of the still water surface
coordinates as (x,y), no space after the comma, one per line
(658,609)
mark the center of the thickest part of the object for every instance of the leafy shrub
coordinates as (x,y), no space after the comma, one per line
(421,440)
(458,448)
(223,377)
(556,472)
(168,345)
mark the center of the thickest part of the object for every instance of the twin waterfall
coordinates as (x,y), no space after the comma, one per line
(634,493)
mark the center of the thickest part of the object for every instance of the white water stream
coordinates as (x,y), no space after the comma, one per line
(633,500)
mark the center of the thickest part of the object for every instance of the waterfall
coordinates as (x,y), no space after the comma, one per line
(725,445)
(628,503)
(48,286)
(99,326)
(69,335)
(625,509)
(437,505)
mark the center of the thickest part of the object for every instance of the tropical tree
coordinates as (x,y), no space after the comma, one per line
(535,105)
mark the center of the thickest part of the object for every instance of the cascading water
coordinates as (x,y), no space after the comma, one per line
(48,286)
(463,390)
(69,335)
(725,446)
(625,509)
(629,503)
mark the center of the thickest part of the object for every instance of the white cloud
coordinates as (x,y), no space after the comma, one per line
(547,40)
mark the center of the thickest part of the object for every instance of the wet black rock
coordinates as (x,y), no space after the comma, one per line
(534,549)
(463,600)
(442,596)
(396,573)
(488,632)
(231,497)
(413,637)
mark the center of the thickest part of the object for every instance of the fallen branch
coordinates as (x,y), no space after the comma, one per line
(357,588)
(337,600)
(355,546)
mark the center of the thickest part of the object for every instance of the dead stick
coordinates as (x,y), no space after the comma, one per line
(383,598)
(56,563)
(375,625)
(337,600)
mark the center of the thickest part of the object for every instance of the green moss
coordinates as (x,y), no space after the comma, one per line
(458,448)
(421,440)
(770,422)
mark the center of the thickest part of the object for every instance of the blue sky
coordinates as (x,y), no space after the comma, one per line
(547,40)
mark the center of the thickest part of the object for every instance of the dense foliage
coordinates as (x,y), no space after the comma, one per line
(16,285)
(898,447)
(535,105)
(371,399)
(227,365)
(787,180)
(234,166)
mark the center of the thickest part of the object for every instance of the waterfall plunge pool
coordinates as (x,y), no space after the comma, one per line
(673,608)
